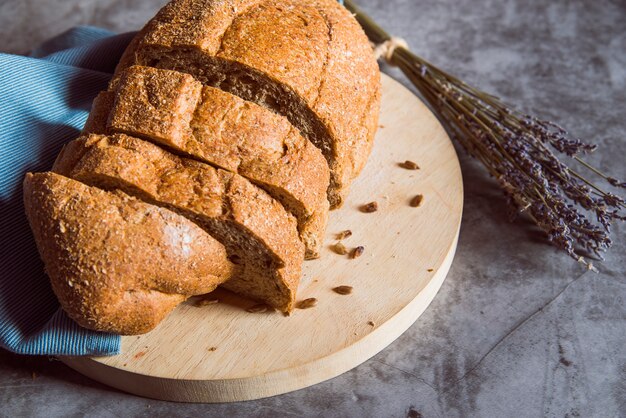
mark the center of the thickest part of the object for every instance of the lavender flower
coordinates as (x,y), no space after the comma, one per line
(520,152)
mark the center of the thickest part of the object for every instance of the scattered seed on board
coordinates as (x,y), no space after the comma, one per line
(357,252)
(212,348)
(306,303)
(370,323)
(409,165)
(340,249)
(344,234)
(429,270)
(416,202)
(370,207)
(258,308)
(206,302)
(343,290)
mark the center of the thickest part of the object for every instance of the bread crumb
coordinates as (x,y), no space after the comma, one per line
(344,234)
(258,308)
(340,249)
(343,290)
(357,252)
(370,207)
(306,303)
(416,202)
(140,355)
(409,165)
(206,302)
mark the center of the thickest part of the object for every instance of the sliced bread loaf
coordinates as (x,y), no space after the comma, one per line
(172,109)
(118,264)
(259,235)
(314,66)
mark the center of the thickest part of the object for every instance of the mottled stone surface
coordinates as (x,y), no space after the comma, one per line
(517,328)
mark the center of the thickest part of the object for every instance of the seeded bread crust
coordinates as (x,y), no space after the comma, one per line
(259,235)
(118,264)
(314,66)
(174,110)
(310,70)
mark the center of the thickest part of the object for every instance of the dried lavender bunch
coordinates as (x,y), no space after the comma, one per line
(519,151)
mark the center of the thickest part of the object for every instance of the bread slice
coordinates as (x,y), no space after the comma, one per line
(308,60)
(118,264)
(258,233)
(99,115)
(172,109)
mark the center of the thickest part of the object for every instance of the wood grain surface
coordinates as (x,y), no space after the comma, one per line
(221,353)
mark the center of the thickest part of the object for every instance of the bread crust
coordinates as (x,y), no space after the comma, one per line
(319,64)
(118,264)
(253,226)
(174,110)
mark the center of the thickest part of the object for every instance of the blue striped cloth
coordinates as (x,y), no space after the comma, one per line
(44,102)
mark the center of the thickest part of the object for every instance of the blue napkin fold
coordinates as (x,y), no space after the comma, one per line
(44,101)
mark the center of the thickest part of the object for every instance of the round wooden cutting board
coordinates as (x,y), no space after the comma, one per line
(221,353)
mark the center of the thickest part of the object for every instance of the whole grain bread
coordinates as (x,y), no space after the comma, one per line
(308,60)
(118,264)
(174,110)
(213,166)
(259,235)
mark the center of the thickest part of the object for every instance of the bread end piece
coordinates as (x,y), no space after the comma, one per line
(115,263)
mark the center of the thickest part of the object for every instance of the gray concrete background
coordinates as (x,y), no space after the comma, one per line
(517,329)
